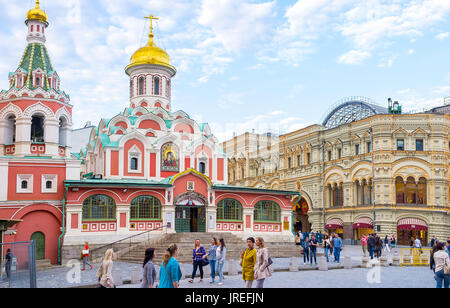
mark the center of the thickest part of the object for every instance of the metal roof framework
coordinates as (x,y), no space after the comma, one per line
(350,110)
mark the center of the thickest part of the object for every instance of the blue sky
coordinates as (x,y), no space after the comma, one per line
(243,64)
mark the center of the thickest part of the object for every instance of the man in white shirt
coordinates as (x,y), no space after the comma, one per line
(417,243)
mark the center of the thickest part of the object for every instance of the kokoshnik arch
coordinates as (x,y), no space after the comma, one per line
(145,168)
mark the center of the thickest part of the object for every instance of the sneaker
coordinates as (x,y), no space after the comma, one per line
(220,283)
(191,281)
(212,282)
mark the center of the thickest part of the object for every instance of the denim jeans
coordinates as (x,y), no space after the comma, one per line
(337,254)
(441,277)
(198,264)
(212,265)
(220,270)
(85,262)
(371,251)
(326,253)
(306,255)
(313,254)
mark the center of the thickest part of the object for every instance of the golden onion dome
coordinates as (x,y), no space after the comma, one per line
(150,54)
(37,14)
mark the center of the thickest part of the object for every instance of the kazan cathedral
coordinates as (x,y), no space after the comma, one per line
(147,170)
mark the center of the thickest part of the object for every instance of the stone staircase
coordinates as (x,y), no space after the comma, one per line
(185,242)
(43,264)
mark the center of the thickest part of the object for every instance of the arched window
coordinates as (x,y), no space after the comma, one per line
(157,84)
(24,185)
(141,85)
(422,191)
(37,128)
(48,185)
(400,190)
(229,209)
(10,130)
(267,211)
(63,130)
(202,168)
(134,164)
(145,207)
(411,190)
(38,82)
(99,207)
(32,28)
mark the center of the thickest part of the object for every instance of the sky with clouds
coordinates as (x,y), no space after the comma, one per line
(245,64)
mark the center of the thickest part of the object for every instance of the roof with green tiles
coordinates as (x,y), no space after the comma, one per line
(34,57)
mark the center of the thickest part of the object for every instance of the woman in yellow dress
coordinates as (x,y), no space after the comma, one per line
(248,260)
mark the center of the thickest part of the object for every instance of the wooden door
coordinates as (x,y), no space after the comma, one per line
(39,238)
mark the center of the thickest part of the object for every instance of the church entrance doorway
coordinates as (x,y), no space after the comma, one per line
(190,213)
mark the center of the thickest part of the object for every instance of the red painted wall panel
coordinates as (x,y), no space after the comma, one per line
(114,162)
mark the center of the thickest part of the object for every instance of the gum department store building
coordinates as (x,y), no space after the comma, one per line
(364,166)
(149,168)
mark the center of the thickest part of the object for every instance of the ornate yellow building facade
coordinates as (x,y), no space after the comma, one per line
(364,169)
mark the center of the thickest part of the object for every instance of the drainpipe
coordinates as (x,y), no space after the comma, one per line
(63,223)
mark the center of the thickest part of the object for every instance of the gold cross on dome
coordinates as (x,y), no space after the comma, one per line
(151,17)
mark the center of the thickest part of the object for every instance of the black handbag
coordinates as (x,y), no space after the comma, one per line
(205,261)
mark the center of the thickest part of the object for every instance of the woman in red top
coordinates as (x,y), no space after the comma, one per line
(364,244)
(85,254)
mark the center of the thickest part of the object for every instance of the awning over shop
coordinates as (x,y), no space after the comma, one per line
(335,223)
(363,223)
(412,224)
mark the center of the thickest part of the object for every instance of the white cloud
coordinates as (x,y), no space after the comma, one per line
(442,36)
(353,57)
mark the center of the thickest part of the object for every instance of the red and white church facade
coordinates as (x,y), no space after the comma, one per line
(147,168)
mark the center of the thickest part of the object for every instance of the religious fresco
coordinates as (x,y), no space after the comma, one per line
(170,161)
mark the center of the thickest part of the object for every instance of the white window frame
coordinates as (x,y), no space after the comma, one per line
(134,152)
(29,179)
(49,177)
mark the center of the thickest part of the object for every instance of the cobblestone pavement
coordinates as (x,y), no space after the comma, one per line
(63,277)
(390,277)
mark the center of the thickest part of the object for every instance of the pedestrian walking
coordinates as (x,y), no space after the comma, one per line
(418,245)
(378,246)
(262,265)
(221,253)
(337,246)
(298,239)
(248,261)
(85,255)
(170,272)
(386,245)
(313,243)
(371,242)
(393,241)
(433,241)
(305,247)
(432,263)
(448,247)
(8,258)
(104,273)
(197,260)
(326,245)
(332,243)
(148,269)
(442,263)
(212,258)
(364,244)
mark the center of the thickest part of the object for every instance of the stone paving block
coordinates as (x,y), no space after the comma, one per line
(293,265)
(323,264)
(347,262)
(232,267)
(117,278)
(135,276)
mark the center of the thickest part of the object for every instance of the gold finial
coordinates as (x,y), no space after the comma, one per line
(37,4)
(151,17)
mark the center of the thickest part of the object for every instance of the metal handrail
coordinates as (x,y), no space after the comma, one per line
(125,239)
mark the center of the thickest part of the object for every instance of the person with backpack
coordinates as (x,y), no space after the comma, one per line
(371,242)
(442,266)
(262,266)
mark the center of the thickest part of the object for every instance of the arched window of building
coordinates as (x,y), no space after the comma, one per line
(141,85)
(131,87)
(10,130)
(411,190)
(422,191)
(267,211)
(202,168)
(24,184)
(32,28)
(145,207)
(134,164)
(38,82)
(48,185)
(400,190)
(229,209)
(99,207)
(37,128)
(63,131)
(157,85)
